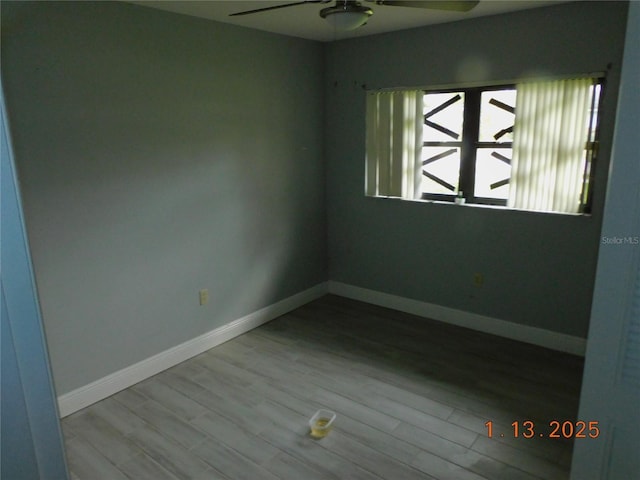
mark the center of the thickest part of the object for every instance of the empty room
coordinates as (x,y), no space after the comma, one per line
(320,240)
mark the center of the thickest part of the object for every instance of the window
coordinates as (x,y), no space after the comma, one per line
(467,144)
(528,146)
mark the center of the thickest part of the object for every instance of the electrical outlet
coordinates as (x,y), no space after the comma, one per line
(204,296)
(478,279)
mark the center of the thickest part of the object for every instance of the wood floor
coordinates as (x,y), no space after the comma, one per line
(412,397)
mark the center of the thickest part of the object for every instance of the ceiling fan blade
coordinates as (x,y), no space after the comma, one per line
(276,7)
(453,5)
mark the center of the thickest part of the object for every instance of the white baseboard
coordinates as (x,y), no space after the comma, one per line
(104,387)
(113,383)
(514,331)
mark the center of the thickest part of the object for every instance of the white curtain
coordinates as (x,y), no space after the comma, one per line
(394,143)
(549,139)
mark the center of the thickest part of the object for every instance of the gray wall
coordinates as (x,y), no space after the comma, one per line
(538,268)
(160,154)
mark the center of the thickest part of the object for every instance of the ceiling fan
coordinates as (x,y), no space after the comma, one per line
(350,14)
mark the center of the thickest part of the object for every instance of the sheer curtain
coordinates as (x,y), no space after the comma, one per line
(394,143)
(550,134)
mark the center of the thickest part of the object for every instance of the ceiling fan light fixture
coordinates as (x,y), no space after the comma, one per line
(345,16)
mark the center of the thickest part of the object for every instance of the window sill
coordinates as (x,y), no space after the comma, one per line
(479,205)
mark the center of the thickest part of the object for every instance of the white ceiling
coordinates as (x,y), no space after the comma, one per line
(304,21)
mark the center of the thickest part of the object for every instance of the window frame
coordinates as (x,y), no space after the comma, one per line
(592,147)
(470,144)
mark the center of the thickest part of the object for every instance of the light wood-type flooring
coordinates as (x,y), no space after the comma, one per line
(412,397)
